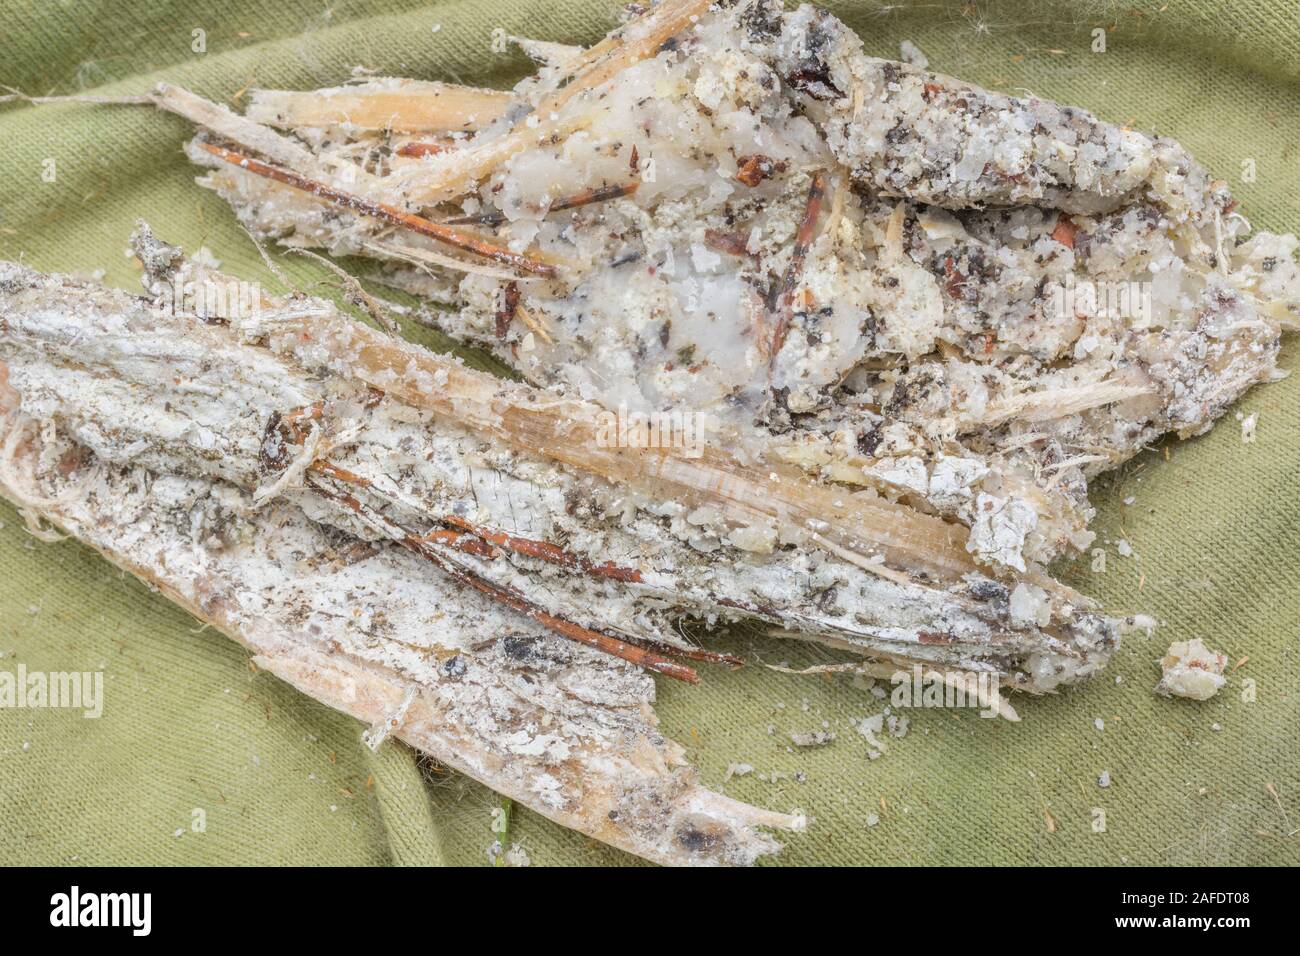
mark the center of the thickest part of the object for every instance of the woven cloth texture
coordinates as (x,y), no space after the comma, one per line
(191,732)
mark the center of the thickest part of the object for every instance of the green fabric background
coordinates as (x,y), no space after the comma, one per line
(188,724)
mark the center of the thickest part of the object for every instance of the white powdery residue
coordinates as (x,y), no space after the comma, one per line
(1000,528)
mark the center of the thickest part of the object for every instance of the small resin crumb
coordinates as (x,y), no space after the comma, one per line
(1140,622)
(811,738)
(738,770)
(517,856)
(909,52)
(1030,604)
(1099,724)
(869,727)
(1216,727)
(1124,548)
(1248,428)
(1103,781)
(204,257)
(1191,670)
(873,819)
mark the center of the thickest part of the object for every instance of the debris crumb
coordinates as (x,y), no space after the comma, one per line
(1103,781)
(204,257)
(517,856)
(1248,428)
(1191,670)
(811,738)
(909,52)
(869,727)
(1141,622)
(738,770)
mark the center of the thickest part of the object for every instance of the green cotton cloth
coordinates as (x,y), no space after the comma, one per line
(199,759)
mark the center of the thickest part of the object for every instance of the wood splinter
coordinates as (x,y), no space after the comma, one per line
(484,542)
(390,214)
(584,198)
(804,237)
(419,545)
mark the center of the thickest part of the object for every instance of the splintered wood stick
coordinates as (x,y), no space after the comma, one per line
(390,214)
(420,150)
(420,545)
(584,198)
(865,532)
(705,656)
(546,551)
(528,547)
(639,40)
(263,140)
(400,106)
(461,542)
(803,240)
